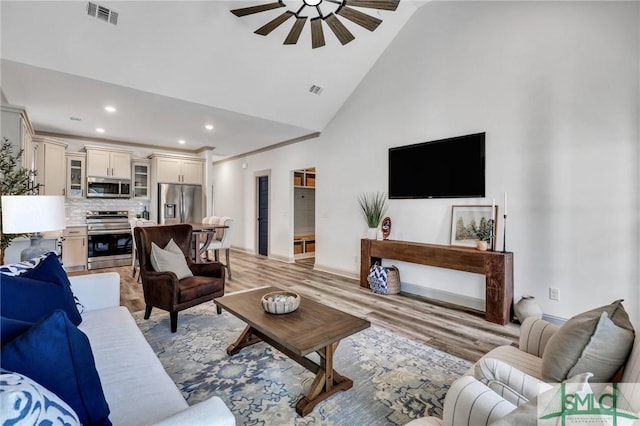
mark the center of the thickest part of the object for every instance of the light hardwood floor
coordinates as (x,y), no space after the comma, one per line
(453,330)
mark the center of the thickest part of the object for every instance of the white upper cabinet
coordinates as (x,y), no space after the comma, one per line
(15,126)
(102,162)
(120,165)
(76,178)
(50,162)
(192,171)
(174,169)
(141,179)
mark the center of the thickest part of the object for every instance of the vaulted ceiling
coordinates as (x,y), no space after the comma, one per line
(170,67)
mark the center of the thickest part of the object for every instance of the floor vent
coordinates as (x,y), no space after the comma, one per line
(102,13)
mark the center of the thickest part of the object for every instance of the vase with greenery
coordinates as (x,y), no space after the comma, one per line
(373,206)
(14,180)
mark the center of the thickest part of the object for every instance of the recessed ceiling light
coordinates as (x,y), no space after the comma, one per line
(208,126)
(109,108)
(100,130)
(181,142)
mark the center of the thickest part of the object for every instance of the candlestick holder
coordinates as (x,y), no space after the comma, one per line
(492,239)
(504,235)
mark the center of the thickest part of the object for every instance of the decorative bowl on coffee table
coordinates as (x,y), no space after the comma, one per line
(280,302)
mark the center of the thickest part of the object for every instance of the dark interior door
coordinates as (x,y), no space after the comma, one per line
(263,215)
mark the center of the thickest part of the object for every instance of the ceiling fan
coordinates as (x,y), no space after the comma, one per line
(326,11)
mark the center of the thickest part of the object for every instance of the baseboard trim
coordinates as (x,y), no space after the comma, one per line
(271,256)
(445,296)
(281,258)
(336,271)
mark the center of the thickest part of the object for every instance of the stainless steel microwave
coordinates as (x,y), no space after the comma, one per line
(108,188)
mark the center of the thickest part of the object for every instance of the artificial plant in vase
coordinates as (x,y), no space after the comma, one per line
(483,233)
(373,206)
(14,180)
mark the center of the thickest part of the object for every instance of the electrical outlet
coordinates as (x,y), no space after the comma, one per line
(355,259)
(554,293)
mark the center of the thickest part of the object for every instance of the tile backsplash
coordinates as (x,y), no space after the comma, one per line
(76,210)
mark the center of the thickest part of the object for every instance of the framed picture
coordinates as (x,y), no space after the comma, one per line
(470,223)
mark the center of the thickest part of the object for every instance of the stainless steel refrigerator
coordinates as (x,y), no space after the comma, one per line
(179,203)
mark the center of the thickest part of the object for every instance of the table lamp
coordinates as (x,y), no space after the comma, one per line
(32,214)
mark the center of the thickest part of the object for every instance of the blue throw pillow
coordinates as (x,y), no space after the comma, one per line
(37,293)
(57,355)
(12,328)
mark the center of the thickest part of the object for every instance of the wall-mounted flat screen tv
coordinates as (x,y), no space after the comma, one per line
(446,168)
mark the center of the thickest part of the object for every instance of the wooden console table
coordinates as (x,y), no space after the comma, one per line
(497,267)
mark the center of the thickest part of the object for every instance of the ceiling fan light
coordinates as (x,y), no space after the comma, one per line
(341,8)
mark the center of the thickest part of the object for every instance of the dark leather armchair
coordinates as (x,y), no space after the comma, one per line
(163,289)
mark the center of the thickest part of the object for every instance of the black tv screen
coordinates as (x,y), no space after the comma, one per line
(446,168)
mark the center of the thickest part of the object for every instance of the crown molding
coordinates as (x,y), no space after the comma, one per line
(198,150)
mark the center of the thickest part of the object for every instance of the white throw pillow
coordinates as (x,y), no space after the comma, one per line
(24,401)
(173,247)
(170,259)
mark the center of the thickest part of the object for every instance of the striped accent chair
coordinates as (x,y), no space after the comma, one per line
(470,401)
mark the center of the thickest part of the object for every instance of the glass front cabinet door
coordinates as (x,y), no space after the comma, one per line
(75,175)
(141,179)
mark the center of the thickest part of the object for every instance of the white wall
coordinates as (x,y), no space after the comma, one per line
(555,87)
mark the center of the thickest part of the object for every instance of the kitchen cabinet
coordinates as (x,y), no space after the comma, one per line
(75,175)
(108,163)
(16,127)
(141,179)
(74,248)
(192,171)
(178,169)
(50,162)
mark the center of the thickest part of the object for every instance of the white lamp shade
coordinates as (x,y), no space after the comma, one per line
(24,214)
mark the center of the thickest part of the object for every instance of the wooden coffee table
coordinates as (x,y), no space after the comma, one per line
(313,327)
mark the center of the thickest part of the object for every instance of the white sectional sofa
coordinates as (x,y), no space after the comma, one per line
(135,385)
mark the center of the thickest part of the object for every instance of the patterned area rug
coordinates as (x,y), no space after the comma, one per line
(395,379)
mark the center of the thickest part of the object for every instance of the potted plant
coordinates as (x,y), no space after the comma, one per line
(14,180)
(483,234)
(373,206)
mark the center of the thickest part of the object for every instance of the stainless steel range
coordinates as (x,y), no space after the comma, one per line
(110,239)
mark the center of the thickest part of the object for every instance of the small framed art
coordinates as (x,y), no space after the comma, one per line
(472,223)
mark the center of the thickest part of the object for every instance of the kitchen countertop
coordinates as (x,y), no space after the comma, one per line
(75,224)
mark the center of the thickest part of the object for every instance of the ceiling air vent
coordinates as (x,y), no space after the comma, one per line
(102,13)
(316,90)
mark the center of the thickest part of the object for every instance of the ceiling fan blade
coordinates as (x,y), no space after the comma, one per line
(317,35)
(375,4)
(294,34)
(255,9)
(274,23)
(339,29)
(362,19)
